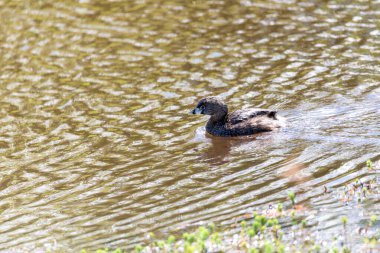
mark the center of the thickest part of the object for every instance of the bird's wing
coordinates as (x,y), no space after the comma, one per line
(239,116)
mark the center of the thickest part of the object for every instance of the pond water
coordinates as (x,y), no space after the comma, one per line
(97,146)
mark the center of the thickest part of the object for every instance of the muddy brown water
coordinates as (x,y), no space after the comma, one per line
(96,144)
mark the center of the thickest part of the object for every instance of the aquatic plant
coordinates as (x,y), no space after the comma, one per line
(292,197)
(360,190)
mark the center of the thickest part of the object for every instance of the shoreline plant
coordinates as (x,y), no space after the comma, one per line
(276,230)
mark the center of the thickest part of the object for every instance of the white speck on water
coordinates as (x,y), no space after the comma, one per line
(196,60)
(196,76)
(165,79)
(320,69)
(214,55)
(216,82)
(71,137)
(252,79)
(279,79)
(278,57)
(288,74)
(198,53)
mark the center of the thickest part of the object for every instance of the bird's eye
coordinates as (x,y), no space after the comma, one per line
(202,107)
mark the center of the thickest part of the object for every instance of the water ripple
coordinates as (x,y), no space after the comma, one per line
(96,140)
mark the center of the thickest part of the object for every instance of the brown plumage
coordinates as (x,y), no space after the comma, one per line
(237,123)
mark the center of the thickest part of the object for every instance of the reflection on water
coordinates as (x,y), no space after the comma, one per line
(97,148)
(219,151)
(220,148)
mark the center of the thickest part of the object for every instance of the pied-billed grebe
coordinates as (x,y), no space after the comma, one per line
(237,123)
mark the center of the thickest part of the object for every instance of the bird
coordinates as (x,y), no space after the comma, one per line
(238,123)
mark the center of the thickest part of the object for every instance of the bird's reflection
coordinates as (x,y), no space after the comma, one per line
(219,150)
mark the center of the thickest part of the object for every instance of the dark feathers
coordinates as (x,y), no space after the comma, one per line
(237,123)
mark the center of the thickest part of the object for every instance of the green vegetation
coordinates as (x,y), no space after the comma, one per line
(276,230)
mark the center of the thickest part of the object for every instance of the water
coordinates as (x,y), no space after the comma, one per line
(96,144)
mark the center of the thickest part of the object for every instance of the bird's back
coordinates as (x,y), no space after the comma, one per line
(241,116)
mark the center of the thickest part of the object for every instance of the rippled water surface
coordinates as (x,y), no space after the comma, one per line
(96,144)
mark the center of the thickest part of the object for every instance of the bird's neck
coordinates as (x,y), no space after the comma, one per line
(217,119)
